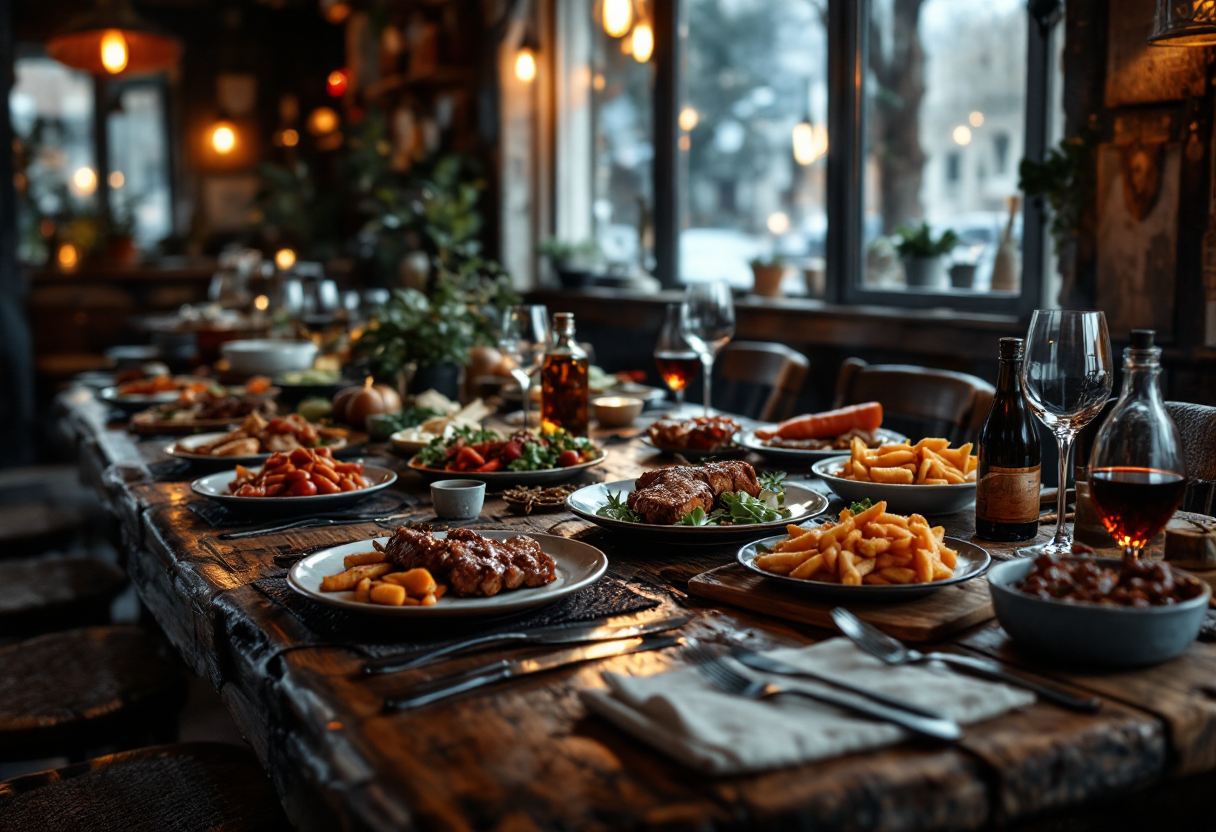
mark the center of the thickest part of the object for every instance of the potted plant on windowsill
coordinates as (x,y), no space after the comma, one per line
(923,256)
(574,262)
(767,274)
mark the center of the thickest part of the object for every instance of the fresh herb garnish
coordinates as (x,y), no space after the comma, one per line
(696,517)
(743,508)
(859,507)
(618,510)
(773,481)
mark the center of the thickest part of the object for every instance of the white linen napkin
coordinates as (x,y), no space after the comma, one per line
(685,717)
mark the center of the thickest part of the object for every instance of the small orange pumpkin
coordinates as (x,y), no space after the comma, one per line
(353,405)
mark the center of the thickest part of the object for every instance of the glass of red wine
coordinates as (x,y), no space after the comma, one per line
(677,361)
(1066,378)
(1137,476)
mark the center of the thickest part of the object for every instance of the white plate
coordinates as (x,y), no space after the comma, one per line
(588,500)
(578,566)
(182,449)
(747,438)
(901,499)
(972,562)
(215,487)
(506,479)
(133,403)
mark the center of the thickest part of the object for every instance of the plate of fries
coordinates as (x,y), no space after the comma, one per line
(929,477)
(868,554)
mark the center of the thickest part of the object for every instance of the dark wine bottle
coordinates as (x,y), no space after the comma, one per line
(1007,475)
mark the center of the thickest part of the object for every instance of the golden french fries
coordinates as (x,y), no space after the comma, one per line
(870,547)
(928,462)
(376,582)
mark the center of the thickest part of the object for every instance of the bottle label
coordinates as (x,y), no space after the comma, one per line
(1008,495)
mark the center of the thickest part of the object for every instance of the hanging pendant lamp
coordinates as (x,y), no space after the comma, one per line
(113,40)
(1184,23)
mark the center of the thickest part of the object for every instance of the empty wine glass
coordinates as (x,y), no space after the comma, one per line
(707,323)
(1067,379)
(1137,474)
(677,361)
(525,337)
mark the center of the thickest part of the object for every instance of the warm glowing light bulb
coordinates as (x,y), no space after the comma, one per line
(525,65)
(290,138)
(809,144)
(337,12)
(688,119)
(67,256)
(336,83)
(976,118)
(778,222)
(85,180)
(643,42)
(223,138)
(261,303)
(618,16)
(114,51)
(284,258)
(322,121)
(599,82)
(962,135)
(117,180)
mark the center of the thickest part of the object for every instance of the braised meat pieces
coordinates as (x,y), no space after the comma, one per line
(664,496)
(469,563)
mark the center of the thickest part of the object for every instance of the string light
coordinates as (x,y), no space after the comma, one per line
(688,119)
(223,138)
(67,256)
(290,138)
(618,16)
(976,118)
(810,144)
(114,52)
(643,42)
(321,121)
(284,258)
(778,222)
(85,180)
(962,135)
(261,303)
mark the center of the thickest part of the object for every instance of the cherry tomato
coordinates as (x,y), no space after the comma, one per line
(568,458)
(303,488)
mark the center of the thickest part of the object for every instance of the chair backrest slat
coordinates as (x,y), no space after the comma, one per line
(761,379)
(1197,428)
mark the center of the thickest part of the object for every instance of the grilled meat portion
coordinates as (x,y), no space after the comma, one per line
(470,563)
(666,495)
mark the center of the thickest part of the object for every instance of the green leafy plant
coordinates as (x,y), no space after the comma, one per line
(567,253)
(1065,180)
(919,242)
(775,261)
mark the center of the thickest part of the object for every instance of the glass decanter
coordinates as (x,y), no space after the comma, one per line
(1137,476)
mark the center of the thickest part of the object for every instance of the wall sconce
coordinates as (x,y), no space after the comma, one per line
(1184,23)
(525,64)
(113,40)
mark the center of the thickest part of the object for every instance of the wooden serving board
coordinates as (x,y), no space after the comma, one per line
(932,617)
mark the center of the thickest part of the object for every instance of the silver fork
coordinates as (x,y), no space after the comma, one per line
(894,652)
(728,680)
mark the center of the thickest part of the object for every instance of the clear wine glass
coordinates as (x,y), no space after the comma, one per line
(1137,474)
(1067,377)
(677,361)
(525,337)
(707,322)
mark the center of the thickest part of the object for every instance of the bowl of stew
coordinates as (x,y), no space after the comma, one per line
(1098,611)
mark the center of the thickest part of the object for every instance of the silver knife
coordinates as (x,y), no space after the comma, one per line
(306,522)
(446,686)
(767,664)
(558,634)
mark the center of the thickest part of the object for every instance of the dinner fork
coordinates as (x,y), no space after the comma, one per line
(894,652)
(728,680)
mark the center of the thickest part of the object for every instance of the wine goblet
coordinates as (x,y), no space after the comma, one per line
(677,362)
(707,323)
(1066,378)
(525,337)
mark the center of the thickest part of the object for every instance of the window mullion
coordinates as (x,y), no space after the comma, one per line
(846,131)
(666,135)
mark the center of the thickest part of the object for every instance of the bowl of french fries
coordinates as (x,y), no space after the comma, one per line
(928,477)
(868,552)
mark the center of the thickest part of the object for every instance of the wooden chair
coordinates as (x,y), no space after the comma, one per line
(71,692)
(40,595)
(917,401)
(1197,427)
(761,380)
(191,787)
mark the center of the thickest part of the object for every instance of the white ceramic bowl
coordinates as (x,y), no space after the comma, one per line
(901,499)
(266,357)
(616,411)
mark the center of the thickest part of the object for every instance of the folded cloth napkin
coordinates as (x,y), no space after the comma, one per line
(684,716)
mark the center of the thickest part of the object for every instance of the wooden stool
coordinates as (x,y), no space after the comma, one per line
(44,594)
(34,528)
(66,693)
(192,787)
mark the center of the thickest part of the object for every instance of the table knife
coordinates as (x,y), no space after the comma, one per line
(443,687)
(557,634)
(307,522)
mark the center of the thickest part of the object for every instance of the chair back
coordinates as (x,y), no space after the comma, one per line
(917,401)
(1197,429)
(760,380)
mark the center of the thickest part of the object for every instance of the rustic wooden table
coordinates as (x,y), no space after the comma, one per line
(528,756)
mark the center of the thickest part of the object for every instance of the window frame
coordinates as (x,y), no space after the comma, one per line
(848,39)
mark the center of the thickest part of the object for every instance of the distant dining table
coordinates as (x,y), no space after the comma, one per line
(528,754)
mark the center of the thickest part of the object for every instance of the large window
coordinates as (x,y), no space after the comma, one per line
(935,105)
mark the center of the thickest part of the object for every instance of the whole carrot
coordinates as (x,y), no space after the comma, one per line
(867,416)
